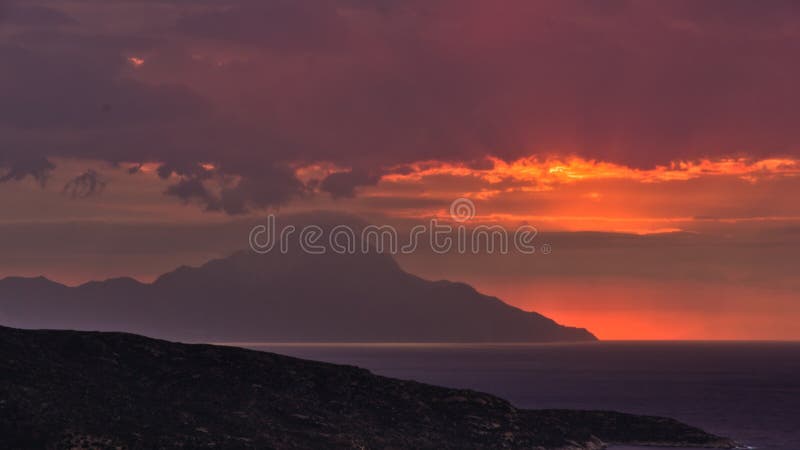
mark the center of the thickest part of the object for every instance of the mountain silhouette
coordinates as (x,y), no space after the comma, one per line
(281,297)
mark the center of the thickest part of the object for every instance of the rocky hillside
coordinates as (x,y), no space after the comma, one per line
(68,389)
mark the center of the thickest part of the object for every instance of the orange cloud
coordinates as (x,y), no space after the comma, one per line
(552,171)
(572,193)
(135,61)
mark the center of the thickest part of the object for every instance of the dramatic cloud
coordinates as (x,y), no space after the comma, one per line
(344,184)
(666,128)
(19,168)
(13,13)
(85,184)
(254,87)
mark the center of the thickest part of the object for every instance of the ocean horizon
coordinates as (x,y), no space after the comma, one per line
(745,390)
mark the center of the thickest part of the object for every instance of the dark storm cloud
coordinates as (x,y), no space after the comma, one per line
(264,187)
(68,88)
(271,186)
(250,86)
(12,13)
(19,168)
(279,24)
(190,189)
(344,184)
(88,183)
(639,83)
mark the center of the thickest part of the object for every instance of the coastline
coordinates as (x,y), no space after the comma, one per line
(113,385)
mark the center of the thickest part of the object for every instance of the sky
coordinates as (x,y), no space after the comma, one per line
(653,144)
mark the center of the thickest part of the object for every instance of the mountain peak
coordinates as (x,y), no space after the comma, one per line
(29,282)
(288,297)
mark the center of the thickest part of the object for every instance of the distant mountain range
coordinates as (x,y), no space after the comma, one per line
(281,297)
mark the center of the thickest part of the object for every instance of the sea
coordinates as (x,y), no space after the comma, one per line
(749,391)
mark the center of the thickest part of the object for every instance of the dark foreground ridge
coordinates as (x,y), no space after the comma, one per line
(70,389)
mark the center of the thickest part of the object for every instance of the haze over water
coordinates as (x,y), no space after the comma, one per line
(749,391)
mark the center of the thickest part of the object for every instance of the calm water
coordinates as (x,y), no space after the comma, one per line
(746,390)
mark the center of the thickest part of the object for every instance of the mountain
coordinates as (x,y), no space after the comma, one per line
(81,390)
(281,297)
